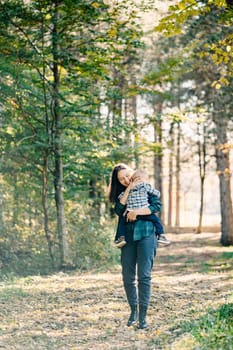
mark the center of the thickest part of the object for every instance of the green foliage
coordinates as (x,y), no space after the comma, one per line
(217,44)
(24,252)
(91,236)
(215,329)
(182,11)
(227,255)
(12,294)
(68,59)
(93,247)
(164,71)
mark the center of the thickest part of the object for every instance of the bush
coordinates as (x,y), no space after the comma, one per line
(24,250)
(93,245)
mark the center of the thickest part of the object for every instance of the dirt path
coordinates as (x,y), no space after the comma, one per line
(89,311)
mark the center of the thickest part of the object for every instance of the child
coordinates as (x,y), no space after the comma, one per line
(138,198)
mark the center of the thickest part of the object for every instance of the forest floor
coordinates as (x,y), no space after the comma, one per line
(85,311)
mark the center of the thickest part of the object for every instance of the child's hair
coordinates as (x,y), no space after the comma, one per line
(140,173)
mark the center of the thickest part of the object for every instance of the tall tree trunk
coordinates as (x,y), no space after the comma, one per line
(133,105)
(58,174)
(1,208)
(177,219)
(95,196)
(1,187)
(16,199)
(223,169)
(170,176)
(201,144)
(199,227)
(158,157)
(48,234)
(117,101)
(45,171)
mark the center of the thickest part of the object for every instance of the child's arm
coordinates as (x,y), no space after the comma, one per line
(152,190)
(121,203)
(155,204)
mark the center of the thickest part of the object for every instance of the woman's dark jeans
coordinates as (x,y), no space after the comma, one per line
(138,257)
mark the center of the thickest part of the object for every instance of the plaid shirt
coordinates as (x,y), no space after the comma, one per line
(138,196)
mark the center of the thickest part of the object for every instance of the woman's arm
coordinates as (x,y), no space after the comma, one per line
(155,206)
(132,215)
(119,208)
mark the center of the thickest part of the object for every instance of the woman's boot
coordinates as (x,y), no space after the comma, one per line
(133,316)
(142,317)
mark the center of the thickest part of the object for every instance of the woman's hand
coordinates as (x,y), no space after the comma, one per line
(131,216)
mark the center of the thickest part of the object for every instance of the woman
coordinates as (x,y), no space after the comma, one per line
(136,255)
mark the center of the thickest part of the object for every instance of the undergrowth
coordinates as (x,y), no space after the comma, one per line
(214,330)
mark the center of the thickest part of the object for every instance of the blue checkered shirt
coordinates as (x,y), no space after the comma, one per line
(138,196)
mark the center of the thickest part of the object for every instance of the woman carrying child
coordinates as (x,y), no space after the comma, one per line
(137,255)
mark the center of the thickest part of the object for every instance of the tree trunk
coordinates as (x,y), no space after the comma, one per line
(16,199)
(177,219)
(170,176)
(117,101)
(1,208)
(95,196)
(202,171)
(223,170)
(133,105)
(58,174)
(45,210)
(46,156)
(158,157)
(1,186)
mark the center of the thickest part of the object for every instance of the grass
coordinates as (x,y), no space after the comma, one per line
(226,255)
(214,330)
(9,294)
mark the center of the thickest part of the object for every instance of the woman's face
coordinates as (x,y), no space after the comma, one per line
(124,176)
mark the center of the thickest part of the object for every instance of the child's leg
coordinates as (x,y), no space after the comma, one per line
(159,231)
(120,233)
(158,227)
(121,228)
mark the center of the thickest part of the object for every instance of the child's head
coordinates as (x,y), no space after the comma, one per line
(139,174)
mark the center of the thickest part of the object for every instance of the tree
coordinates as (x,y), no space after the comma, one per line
(202,162)
(223,170)
(56,76)
(156,86)
(177,174)
(204,23)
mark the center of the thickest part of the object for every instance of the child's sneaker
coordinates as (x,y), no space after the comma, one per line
(163,240)
(120,242)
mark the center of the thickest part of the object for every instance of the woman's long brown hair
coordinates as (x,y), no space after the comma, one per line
(115,187)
